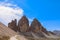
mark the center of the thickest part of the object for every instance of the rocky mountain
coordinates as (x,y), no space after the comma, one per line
(23,24)
(57,32)
(13,25)
(37,27)
(34,30)
(22,30)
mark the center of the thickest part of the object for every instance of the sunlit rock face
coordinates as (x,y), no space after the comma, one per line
(23,24)
(13,25)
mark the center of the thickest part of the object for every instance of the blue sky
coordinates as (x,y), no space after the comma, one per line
(46,11)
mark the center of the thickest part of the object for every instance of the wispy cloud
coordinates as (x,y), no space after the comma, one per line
(9,11)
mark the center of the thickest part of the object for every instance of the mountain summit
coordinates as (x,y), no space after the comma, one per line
(23,24)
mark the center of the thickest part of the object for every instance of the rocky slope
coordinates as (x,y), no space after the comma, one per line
(7,33)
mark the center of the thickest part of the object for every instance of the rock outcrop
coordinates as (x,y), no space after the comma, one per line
(13,25)
(24,28)
(44,30)
(37,27)
(23,24)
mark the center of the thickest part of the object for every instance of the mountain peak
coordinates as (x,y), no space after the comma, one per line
(24,28)
(23,24)
(23,17)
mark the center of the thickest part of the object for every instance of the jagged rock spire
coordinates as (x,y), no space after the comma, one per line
(23,24)
(13,25)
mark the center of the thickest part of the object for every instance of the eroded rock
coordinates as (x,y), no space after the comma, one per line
(23,24)
(13,25)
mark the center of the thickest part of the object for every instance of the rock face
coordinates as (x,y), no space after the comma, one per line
(37,27)
(23,27)
(44,30)
(13,25)
(23,24)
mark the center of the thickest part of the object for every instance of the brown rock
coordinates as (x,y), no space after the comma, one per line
(37,27)
(23,24)
(44,30)
(13,25)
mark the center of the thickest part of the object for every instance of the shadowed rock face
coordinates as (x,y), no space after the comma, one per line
(13,25)
(44,30)
(23,24)
(52,33)
(37,27)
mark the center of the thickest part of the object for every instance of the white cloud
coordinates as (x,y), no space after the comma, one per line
(9,11)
